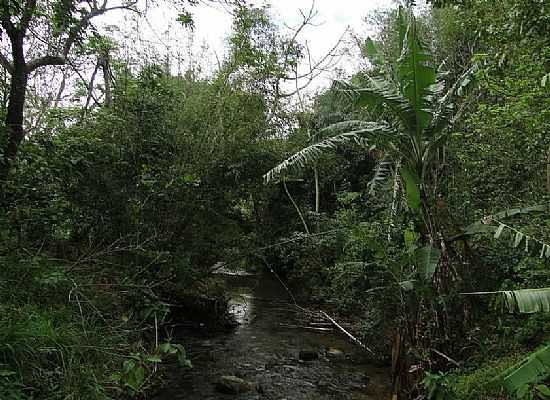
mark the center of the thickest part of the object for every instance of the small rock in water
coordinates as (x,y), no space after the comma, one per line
(335,353)
(230,384)
(308,355)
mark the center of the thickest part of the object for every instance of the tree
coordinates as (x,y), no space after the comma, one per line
(44,33)
(57,26)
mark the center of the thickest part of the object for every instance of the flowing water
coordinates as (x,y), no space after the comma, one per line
(264,350)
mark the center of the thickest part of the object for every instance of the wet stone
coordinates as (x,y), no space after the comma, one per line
(308,355)
(231,384)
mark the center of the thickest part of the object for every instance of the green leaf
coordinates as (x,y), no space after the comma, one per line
(522,391)
(373,53)
(136,379)
(427,258)
(407,286)
(544,80)
(518,239)
(412,189)
(167,348)
(531,370)
(544,390)
(416,74)
(499,231)
(527,301)
(410,237)
(128,366)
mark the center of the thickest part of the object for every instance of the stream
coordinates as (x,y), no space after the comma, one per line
(264,350)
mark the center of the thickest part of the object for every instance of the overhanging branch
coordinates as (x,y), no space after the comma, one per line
(46,60)
(73,36)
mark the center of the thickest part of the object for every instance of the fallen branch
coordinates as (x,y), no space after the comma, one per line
(311,328)
(446,357)
(320,312)
(353,338)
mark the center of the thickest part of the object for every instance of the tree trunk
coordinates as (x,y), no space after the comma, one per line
(317,191)
(548,172)
(107,80)
(16,103)
(296,207)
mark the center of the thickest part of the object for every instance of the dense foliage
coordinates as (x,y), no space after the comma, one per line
(410,198)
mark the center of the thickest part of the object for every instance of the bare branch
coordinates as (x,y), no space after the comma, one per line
(85,20)
(45,60)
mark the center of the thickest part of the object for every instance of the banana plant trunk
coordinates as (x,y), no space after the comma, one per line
(317,192)
(548,172)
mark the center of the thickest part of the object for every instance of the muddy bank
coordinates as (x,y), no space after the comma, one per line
(272,355)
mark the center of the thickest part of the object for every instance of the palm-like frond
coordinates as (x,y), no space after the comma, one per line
(416,74)
(444,109)
(381,172)
(311,153)
(381,91)
(340,127)
(527,301)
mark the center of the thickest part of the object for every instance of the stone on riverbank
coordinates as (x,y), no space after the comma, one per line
(231,384)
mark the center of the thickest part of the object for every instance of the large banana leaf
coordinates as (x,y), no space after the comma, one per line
(444,108)
(483,227)
(416,75)
(524,301)
(412,188)
(311,153)
(381,91)
(427,258)
(527,301)
(531,370)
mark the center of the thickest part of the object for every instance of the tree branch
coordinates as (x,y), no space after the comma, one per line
(84,21)
(45,60)
(28,12)
(73,36)
(4,62)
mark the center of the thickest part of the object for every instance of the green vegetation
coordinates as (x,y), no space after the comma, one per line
(411,198)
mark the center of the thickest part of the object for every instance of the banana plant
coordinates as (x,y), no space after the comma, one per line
(417,116)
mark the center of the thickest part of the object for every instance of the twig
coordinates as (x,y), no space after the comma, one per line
(353,338)
(311,328)
(446,357)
